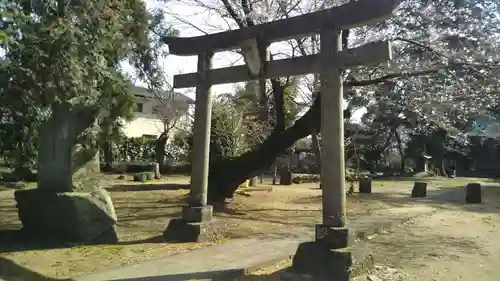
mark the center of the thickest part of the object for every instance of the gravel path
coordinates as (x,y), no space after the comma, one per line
(459,242)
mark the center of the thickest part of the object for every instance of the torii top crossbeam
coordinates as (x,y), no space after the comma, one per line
(353,14)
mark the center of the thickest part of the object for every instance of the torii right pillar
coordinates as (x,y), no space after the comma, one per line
(332,255)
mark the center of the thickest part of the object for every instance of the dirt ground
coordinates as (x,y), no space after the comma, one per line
(144,211)
(459,242)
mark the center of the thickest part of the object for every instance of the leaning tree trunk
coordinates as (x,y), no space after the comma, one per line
(107,149)
(160,144)
(316,149)
(438,147)
(315,145)
(225,175)
(58,160)
(401,152)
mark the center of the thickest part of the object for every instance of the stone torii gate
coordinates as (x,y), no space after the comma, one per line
(254,41)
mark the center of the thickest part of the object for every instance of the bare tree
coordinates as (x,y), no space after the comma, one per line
(170,110)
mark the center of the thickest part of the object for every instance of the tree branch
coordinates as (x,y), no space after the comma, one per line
(233,14)
(247,10)
(359,83)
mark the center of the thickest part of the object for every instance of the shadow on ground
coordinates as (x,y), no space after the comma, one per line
(154,239)
(148,187)
(223,275)
(210,275)
(15,241)
(10,271)
(18,241)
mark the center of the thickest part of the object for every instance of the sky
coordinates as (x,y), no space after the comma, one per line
(189,20)
(185,18)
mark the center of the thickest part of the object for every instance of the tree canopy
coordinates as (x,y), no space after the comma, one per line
(62,60)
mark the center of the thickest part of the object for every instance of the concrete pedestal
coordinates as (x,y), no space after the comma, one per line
(197,214)
(326,264)
(333,256)
(196,225)
(334,237)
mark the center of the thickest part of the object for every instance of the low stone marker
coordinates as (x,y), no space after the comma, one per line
(286,177)
(252,181)
(473,193)
(419,190)
(365,185)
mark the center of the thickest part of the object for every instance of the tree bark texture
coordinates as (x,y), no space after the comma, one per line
(401,151)
(107,149)
(59,158)
(160,144)
(225,175)
(317,150)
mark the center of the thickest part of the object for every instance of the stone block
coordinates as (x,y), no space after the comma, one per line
(419,189)
(473,193)
(70,217)
(286,177)
(197,214)
(365,185)
(326,264)
(334,237)
(179,230)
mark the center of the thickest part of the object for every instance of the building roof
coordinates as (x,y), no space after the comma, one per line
(146,93)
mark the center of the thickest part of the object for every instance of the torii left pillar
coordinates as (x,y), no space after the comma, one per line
(197,223)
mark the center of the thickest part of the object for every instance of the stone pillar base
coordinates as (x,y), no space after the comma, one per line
(70,217)
(179,230)
(326,265)
(197,214)
(334,237)
(196,225)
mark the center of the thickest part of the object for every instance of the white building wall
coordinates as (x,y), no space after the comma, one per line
(143,126)
(149,123)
